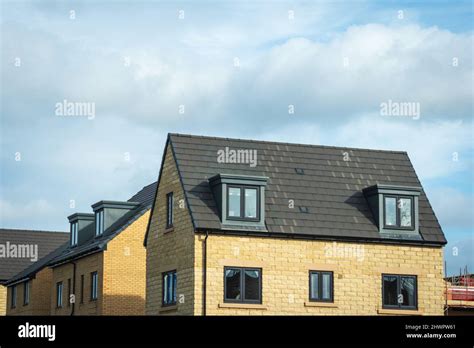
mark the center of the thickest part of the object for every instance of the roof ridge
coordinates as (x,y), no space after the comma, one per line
(283,143)
(28,230)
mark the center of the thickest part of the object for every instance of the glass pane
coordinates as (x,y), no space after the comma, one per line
(251,203)
(252,287)
(232,283)
(390,211)
(405,212)
(407,288)
(390,290)
(165,288)
(234,202)
(170,288)
(314,286)
(326,286)
(174,287)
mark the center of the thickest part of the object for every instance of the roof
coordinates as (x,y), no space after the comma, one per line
(30,271)
(46,241)
(330,188)
(145,199)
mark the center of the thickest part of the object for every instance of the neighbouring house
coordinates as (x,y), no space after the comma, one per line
(243,227)
(19,249)
(102,269)
(29,292)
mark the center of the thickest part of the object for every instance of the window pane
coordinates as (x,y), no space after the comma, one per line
(390,211)
(174,287)
(234,202)
(165,288)
(169,221)
(252,287)
(405,212)
(390,290)
(326,286)
(407,287)
(170,288)
(232,283)
(314,286)
(251,203)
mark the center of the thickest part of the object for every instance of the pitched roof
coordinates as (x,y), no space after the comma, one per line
(330,188)
(144,197)
(30,271)
(46,241)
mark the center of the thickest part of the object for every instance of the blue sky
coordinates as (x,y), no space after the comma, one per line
(335,62)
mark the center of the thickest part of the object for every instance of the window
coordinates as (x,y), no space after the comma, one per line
(99,223)
(398,212)
(69,292)
(59,294)
(243,285)
(13,303)
(26,293)
(169,288)
(243,203)
(321,286)
(399,291)
(74,233)
(94,288)
(82,288)
(169,210)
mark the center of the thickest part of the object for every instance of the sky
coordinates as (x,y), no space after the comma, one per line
(231,69)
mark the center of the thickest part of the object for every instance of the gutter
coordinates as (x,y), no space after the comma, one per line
(204,276)
(280,235)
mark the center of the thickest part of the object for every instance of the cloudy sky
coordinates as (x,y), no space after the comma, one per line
(229,69)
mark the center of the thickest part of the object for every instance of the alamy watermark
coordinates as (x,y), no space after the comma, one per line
(241,156)
(20,251)
(68,108)
(345,251)
(400,109)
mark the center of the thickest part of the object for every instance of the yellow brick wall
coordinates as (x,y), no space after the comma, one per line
(3,300)
(169,250)
(85,266)
(40,295)
(285,265)
(125,271)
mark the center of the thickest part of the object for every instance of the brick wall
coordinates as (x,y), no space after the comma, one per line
(40,295)
(172,249)
(124,271)
(285,265)
(3,300)
(84,266)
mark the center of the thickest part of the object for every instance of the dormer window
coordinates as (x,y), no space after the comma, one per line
(74,233)
(99,223)
(240,200)
(395,210)
(398,212)
(242,203)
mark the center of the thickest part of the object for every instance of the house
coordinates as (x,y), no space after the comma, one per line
(104,264)
(101,269)
(29,292)
(243,227)
(19,249)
